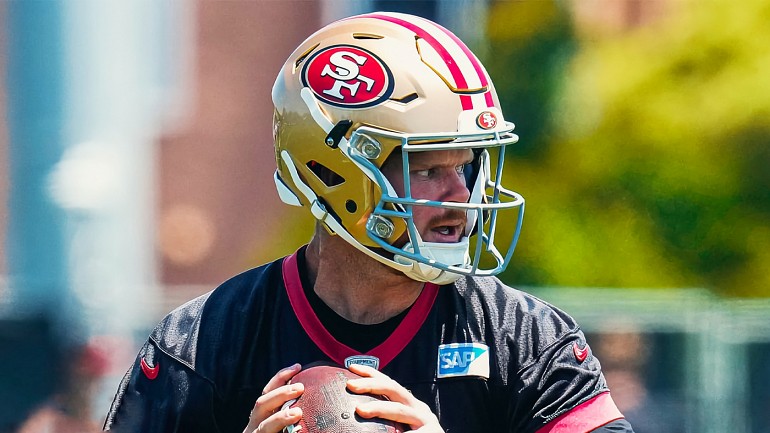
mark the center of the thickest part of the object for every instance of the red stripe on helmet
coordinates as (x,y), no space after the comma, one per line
(474,61)
(465,100)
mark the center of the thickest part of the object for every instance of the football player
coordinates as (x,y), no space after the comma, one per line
(389,131)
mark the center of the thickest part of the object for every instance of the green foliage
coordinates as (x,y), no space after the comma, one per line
(530,43)
(658,170)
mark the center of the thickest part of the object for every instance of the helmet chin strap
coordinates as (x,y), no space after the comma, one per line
(455,253)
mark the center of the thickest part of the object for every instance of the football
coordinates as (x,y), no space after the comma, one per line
(328,407)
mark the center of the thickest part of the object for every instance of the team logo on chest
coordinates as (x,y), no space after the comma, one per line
(371,361)
(463,359)
(348,77)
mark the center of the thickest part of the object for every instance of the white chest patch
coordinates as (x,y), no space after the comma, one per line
(371,361)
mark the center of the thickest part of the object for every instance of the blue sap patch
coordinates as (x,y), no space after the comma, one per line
(463,359)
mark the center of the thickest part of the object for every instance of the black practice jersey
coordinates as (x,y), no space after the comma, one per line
(484,357)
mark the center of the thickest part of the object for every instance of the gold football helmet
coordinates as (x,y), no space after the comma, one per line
(365,86)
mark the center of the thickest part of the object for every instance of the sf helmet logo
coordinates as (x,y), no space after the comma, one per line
(348,77)
(486,120)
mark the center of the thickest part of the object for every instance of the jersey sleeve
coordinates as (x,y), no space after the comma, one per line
(617,426)
(563,390)
(597,415)
(161,394)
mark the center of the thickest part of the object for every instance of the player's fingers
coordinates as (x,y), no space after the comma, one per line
(375,382)
(274,394)
(269,403)
(379,386)
(366,371)
(418,417)
(402,406)
(389,410)
(281,378)
(277,421)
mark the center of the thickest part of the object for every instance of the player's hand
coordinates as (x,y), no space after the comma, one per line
(401,405)
(267,416)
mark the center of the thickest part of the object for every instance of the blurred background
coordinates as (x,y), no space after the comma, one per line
(136,173)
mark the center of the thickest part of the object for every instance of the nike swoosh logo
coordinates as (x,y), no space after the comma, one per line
(580,354)
(150,372)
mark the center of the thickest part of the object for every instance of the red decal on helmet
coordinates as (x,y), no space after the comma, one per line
(347,76)
(486,120)
(451,63)
(476,65)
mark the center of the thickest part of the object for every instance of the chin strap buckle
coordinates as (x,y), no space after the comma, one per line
(337,132)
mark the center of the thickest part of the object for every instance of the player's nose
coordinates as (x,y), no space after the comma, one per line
(455,189)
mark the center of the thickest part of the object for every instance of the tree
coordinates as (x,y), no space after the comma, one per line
(657,170)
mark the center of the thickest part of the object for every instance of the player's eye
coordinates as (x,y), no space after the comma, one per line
(428,172)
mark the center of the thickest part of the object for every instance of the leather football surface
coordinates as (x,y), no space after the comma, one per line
(328,407)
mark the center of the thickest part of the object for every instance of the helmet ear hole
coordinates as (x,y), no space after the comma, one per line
(324,174)
(351,206)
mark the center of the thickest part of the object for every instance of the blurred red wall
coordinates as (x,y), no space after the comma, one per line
(217,200)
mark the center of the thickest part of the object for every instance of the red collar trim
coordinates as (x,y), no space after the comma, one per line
(337,351)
